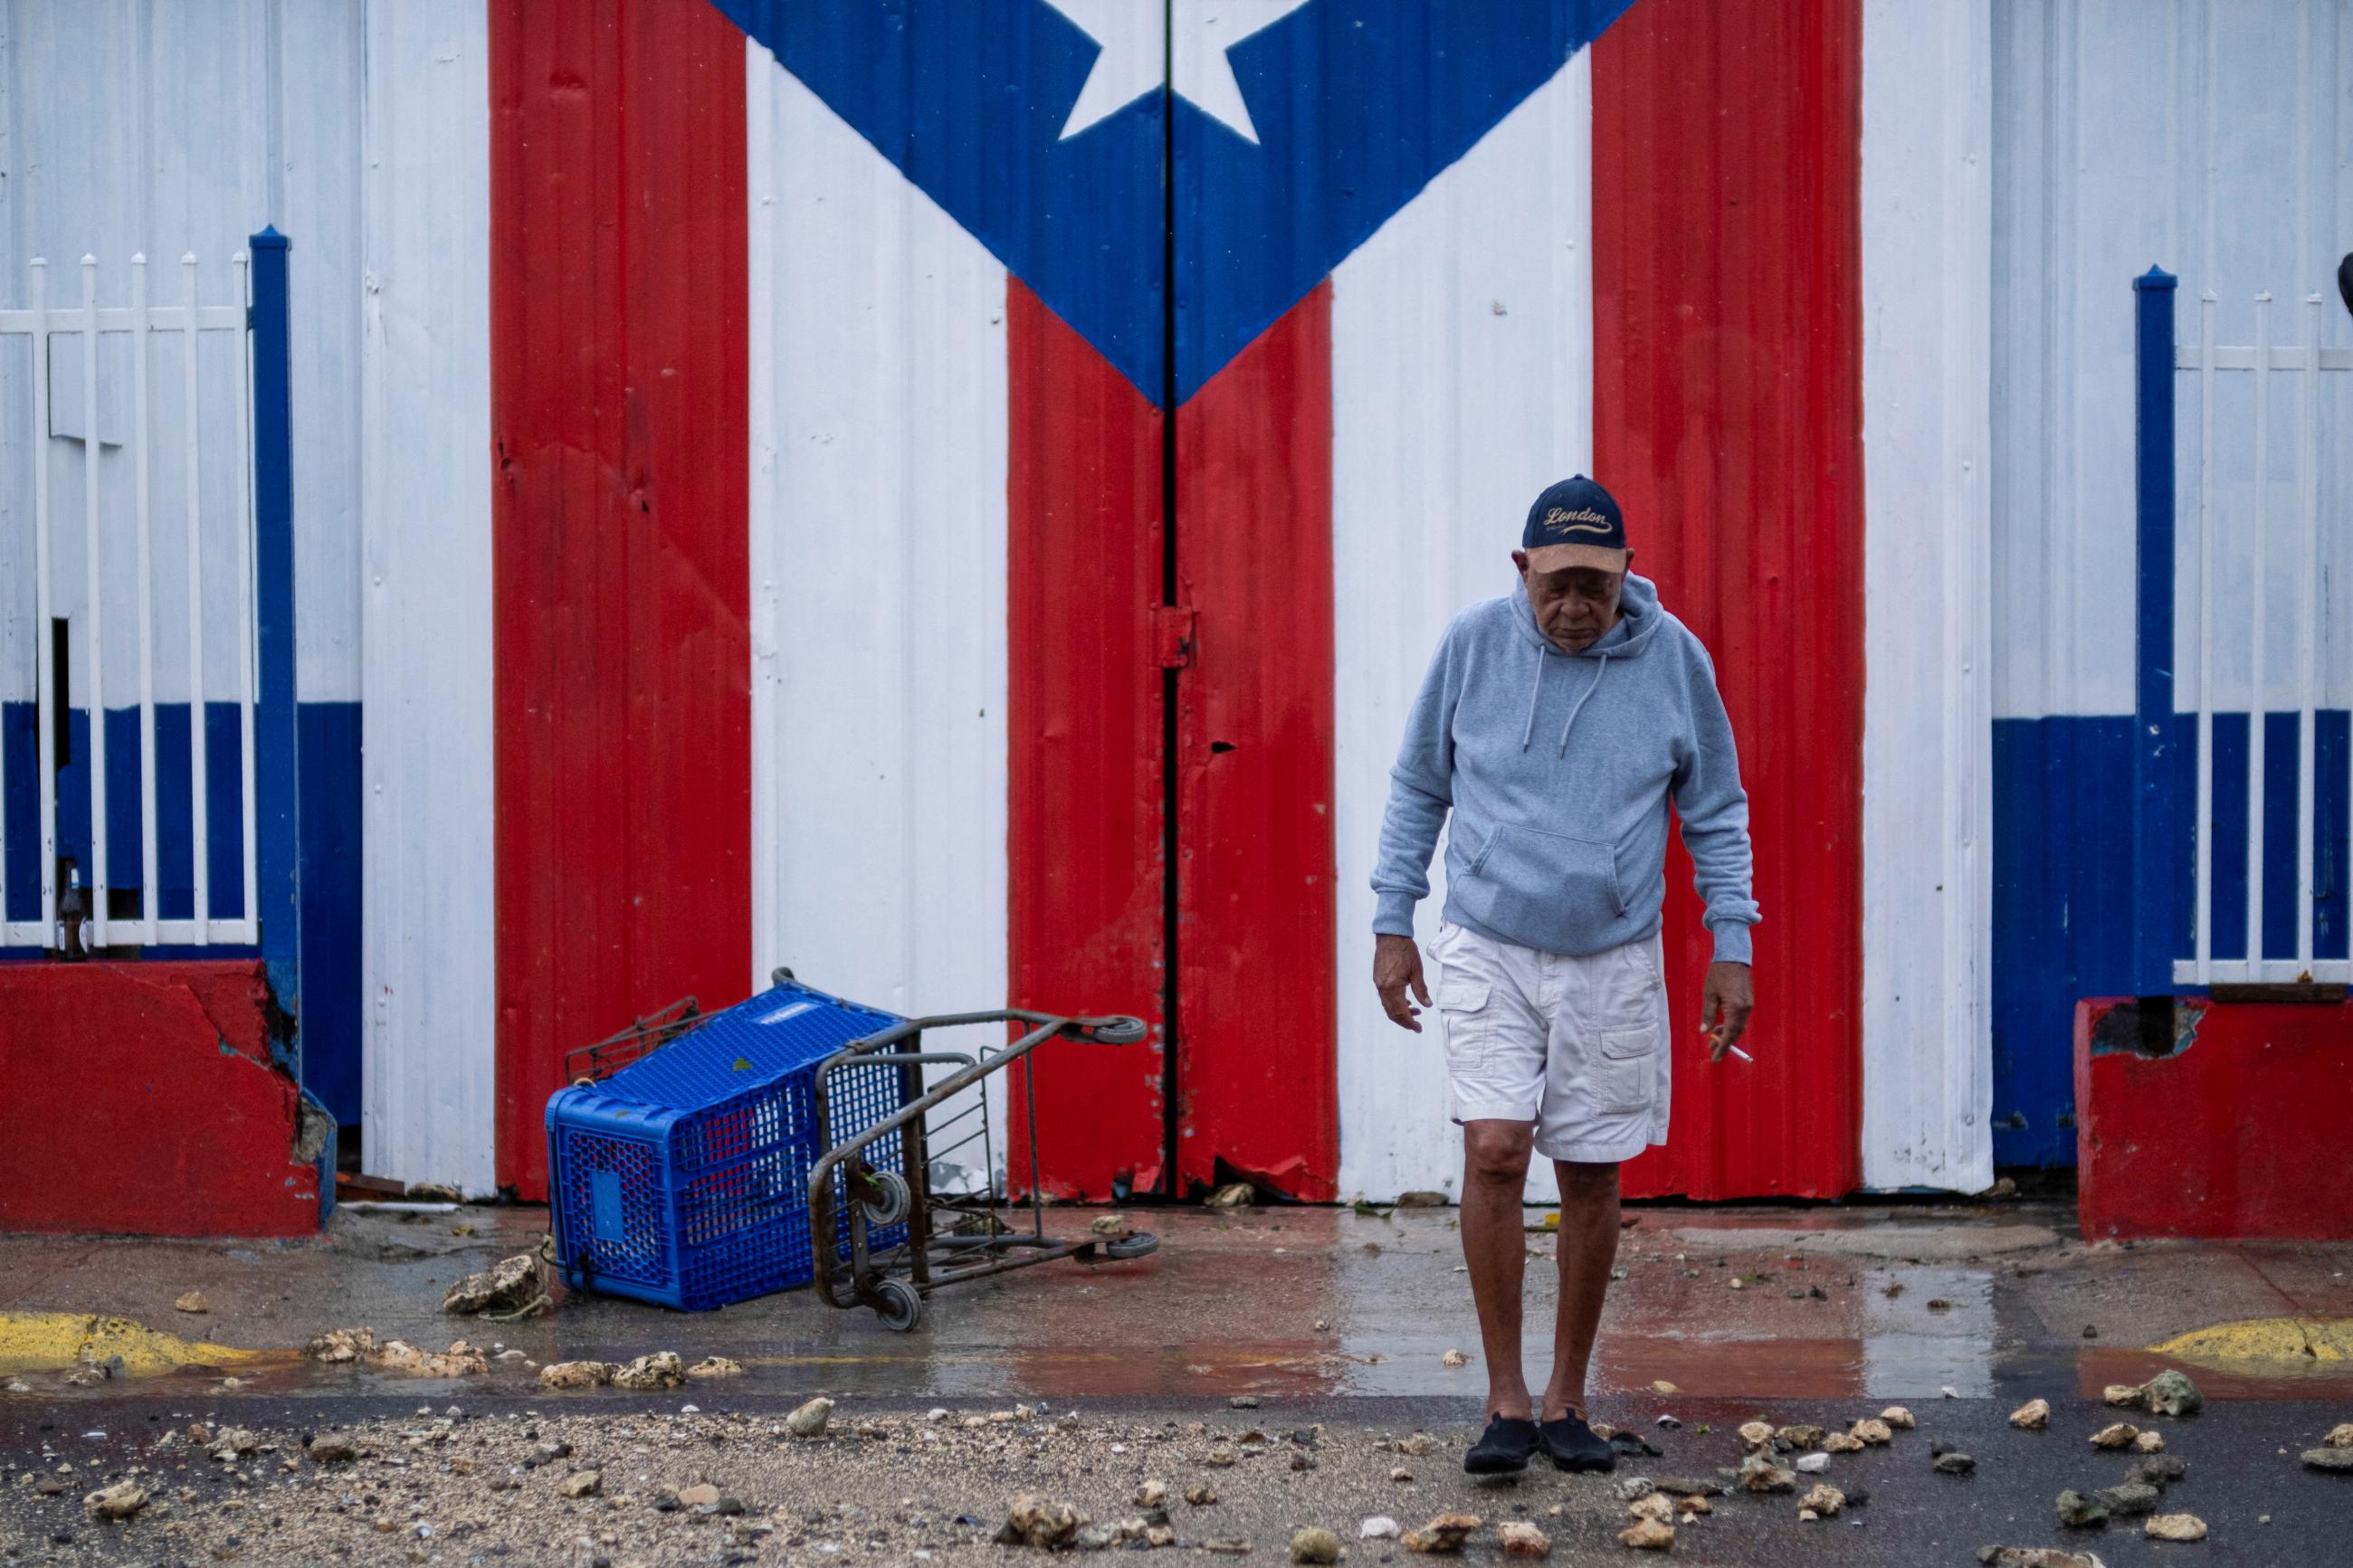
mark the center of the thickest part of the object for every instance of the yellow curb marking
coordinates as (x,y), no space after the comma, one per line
(58,1342)
(2298,1341)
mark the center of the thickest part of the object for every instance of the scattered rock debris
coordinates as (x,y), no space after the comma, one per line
(1454,1358)
(2170,1393)
(652,1374)
(2174,1527)
(1518,1538)
(2032,1416)
(576,1374)
(192,1301)
(1897,1416)
(1314,1543)
(809,1420)
(506,1285)
(1033,1521)
(1378,1527)
(1447,1532)
(2077,1511)
(2036,1557)
(1825,1502)
(1758,1473)
(118,1501)
(2119,1436)
(1648,1535)
(2338,1461)
(2340,1437)
(338,1346)
(715,1366)
(1953,1464)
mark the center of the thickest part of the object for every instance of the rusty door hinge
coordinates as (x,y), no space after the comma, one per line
(1171,628)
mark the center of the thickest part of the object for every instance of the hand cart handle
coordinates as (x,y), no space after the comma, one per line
(1113,1030)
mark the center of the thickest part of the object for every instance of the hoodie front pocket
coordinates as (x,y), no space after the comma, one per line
(1544,890)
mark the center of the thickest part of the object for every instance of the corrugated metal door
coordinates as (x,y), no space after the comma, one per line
(1727,411)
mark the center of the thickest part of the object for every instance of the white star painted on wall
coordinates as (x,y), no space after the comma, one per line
(1133,58)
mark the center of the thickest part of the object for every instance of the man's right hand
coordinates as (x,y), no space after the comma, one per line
(1397,969)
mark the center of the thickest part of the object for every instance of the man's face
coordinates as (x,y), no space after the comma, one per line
(1573,606)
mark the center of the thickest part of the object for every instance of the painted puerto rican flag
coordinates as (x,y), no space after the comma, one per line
(979,481)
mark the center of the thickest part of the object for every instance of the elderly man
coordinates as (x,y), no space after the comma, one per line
(1556,724)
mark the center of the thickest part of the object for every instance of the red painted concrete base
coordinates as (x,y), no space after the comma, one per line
(139,1098)
(2232,1123)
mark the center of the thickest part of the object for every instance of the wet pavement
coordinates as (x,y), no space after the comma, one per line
(1327,1316)
(1896,1303)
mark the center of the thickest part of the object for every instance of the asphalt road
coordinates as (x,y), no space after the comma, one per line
(850,1500)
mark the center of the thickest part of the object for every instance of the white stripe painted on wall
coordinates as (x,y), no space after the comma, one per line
(164,130)
(429,1079)
(1927,808)
(878,637)
(2212,138)
(1462,352)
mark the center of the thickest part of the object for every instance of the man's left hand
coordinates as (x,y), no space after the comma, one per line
(1724,1005)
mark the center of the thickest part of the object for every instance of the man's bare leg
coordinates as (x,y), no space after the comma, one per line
(1495,1176)
(1587,1248)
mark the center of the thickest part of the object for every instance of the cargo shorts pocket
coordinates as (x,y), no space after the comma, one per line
(1470,1025)
(1623,1068)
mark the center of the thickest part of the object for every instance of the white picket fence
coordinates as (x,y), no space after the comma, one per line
(146,325)
(2248,620)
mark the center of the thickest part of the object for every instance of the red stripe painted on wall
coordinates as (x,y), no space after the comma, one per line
(1084,749)
(181,1125)
(2238,1130)
(1257,995)
(1726,147)
(619,546)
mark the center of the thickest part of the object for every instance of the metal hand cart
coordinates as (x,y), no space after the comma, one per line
(696,1159)
(931,1237)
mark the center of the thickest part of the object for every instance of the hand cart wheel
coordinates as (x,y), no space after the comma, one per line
(890,1200)
(900,1309)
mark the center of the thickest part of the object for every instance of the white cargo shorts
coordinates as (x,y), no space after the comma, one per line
(1576,1045)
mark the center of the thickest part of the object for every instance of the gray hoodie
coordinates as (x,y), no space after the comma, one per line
(1558,768)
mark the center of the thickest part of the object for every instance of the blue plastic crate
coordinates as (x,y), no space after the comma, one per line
(684,1178)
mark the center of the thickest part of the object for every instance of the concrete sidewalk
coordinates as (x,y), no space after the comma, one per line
(1285,1366)
(1888,1302)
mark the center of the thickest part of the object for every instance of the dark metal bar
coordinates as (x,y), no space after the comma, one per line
(914,1164)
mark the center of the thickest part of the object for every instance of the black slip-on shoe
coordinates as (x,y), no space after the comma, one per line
(1505,1448)
(1574,1445)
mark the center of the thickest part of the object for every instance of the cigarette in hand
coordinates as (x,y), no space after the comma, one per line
(1717,1033)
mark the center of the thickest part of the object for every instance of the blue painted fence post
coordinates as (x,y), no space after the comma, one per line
(2159,847)
(275,755)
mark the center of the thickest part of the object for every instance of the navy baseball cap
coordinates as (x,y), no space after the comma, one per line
(1576,524)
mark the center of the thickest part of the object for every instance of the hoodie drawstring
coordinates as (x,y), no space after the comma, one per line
(1528,733)
(1579,705)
